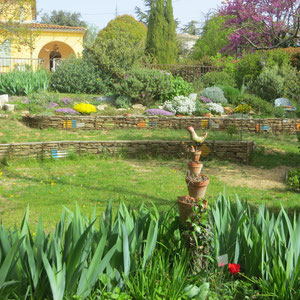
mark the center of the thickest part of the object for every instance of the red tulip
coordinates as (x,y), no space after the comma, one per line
(234,268)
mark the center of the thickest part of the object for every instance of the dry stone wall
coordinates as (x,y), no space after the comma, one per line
(150,122)
(238,151)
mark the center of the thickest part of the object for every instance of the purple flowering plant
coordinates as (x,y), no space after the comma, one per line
(66,100)
(158,112)
(205,99)
(67,111)
(52,105)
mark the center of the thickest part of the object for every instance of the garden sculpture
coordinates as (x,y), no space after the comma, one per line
(195,137)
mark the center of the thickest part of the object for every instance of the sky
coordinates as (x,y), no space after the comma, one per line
(100,12)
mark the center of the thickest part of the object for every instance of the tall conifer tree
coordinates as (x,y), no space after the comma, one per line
(170,34)
(161,35)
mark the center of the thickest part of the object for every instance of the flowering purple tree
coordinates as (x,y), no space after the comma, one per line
(261,24)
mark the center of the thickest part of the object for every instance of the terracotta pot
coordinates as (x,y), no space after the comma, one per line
(194,168)
(185,206)
(196,187)
(196,155)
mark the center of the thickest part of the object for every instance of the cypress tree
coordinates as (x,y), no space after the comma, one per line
(171,44)
(161,36)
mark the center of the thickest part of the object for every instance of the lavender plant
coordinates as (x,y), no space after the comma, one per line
(158,112)
(67,111)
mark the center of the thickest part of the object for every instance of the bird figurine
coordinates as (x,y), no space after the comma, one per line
(195,137)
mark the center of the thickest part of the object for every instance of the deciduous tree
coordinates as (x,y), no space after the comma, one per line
(261,24)
(63,18)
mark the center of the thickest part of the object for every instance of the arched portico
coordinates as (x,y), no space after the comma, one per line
(52,52)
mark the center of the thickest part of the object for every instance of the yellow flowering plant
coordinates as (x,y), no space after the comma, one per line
(85,108)
(242,108)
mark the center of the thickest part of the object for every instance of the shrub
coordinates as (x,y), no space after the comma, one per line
(145,86)
(181,105)
(294,52)
(279,112)
(179,87)
(76,75)
(291,88)
(123,102)
(20,83)
(250,66)
(215,108)
(125,25)
(230,92)
(218,78)
(293,179)
(269,84)
(201,109)
(114,56)
(85,108)
(242,108)
(259,105)
(215,94)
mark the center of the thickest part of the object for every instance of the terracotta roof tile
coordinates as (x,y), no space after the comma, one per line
(53,26)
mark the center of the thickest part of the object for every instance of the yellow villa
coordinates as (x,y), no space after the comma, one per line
(47,43)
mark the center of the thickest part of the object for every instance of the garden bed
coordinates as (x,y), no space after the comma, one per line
(274,125)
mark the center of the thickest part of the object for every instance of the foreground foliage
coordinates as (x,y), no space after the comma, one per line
(70,260)
(24,82)
(141,255)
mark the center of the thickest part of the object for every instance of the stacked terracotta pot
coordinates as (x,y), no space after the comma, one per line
(197,184)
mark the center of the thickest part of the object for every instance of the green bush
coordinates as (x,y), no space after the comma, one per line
(125,25)
(123,102)
(230,92)
(114,56)
(200,109)
(291,88)
(76,75)
(218,78)
(293,179)
(251,65)
(145,86)
(259,105)
(20,83)
(215,94)
(179,87)
(269,85)
(279,112)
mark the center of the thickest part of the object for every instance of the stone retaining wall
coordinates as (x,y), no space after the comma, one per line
(238,151)
(121,122)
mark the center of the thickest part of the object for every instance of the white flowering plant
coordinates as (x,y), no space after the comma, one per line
(215,108)
(181,105)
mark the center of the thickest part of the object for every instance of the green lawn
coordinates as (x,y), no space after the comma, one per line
(48,186)
(90,181)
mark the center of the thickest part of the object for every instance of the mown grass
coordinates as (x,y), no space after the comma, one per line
(90,181)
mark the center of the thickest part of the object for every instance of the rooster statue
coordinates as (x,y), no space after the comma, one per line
(195,137)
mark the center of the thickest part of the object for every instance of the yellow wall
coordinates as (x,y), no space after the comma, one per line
(44,42)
